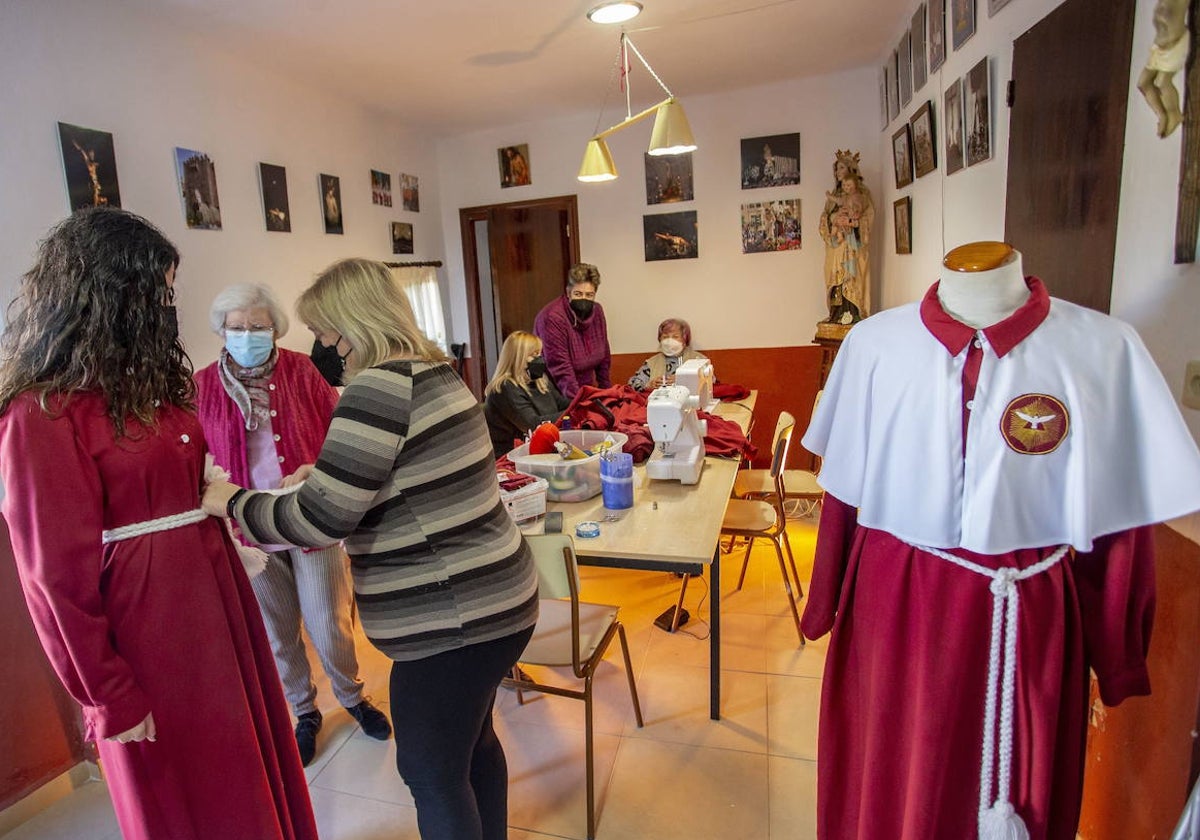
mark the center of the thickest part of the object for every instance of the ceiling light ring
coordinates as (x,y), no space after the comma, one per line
(614,11)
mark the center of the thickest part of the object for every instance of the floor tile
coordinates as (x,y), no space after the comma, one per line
(87,812)
(792,706)
(792,789)
(675,707)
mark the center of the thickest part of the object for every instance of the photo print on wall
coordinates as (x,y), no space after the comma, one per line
(893,86)
(410,195)
(977,110)
(883,108)
(275,197)
(197,176)
(402,238)
(514,166)
(669,178)
(962,21)
(924,140)
(952,114)
(90,166)
(331,203)
(772,161)
(902,216)
(918,48)
(904,53)
(771,226)
(902,156)
(937,34)
(381,188)
(671,236)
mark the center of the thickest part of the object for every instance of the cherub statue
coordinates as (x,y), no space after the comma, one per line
(1168,54)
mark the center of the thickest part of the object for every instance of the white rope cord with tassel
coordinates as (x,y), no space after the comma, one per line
(998,820)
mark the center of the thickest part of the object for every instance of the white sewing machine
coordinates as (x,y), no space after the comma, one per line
(678,434)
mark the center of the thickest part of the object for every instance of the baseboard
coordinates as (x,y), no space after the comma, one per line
(57,788)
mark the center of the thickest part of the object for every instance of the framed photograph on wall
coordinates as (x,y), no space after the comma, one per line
(772,161)
(273,180)
(904,51)
(894,86)
(902,156)
(514,166)
(996,5)
(917,30)
(883,108)
(410,193)
(381,188)
(771,226)
(402,238)
(952,127)
(198,187)
(937,34)
(90,165)
(902,216)
(671,236)
(962,21)
(977,110)
(669,178)
(924,140)
(331,202)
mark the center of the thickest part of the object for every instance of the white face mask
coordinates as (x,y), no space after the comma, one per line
(671,346)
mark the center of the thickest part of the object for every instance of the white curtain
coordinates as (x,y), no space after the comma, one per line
(421,285)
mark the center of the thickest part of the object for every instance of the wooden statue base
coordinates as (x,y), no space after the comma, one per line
(831,332)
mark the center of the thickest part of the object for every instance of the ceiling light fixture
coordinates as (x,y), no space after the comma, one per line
(671,135)
(617,11)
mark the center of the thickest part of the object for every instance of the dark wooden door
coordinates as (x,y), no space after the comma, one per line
(1066,140)
(510,277)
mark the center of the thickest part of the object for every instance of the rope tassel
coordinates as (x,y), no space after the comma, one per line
(1002,822)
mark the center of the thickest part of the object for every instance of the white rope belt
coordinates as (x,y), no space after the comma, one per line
(997,818)
(150,526)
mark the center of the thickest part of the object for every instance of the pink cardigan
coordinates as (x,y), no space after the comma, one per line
(302,404)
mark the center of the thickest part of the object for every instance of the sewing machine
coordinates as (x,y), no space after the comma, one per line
(678,433)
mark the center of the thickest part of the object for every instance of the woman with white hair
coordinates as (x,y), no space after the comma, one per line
(265,411)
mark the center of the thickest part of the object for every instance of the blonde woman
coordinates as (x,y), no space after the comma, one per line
(520,395)
(445,583)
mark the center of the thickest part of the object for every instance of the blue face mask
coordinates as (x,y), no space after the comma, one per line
(250,348)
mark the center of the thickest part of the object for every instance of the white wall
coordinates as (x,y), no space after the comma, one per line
(155,88)
(731,299)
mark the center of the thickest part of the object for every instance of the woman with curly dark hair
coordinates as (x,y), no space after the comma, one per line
(139,599)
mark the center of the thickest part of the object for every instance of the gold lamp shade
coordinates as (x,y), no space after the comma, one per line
(597,162)
(672,135)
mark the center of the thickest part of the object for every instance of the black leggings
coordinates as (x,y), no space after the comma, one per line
(446,750)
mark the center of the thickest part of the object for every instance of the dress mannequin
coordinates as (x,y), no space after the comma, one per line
(982,283)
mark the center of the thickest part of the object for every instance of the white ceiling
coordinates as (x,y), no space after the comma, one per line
(448,66)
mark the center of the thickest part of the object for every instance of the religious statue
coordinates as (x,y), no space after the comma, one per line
(845,226)
(1168,54)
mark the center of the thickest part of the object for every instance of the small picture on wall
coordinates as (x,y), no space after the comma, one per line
(197,176)
(923,140)
(402,238)
(902,156)
(962,21)
(669,178)
(904,52)
(883,112)
(996,5)
(977,110)
(514,166)
(918,48)
(902,212)
(273,180)
(771,226)
(410,195)
(671,236)
(772,161)
(894,86)
(937,34)
(952,114)
(331,202)
(381,188)
(90,165)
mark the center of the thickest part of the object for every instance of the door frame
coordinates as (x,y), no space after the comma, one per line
(467,217)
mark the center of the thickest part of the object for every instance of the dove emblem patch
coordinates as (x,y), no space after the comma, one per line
(1034,424)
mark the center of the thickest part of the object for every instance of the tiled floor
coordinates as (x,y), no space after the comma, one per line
(751,775)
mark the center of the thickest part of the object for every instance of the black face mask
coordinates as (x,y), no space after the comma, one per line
(536,368)
(172,322)
(582,307)
(329,362)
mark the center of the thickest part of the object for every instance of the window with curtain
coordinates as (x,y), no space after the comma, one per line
(421,285)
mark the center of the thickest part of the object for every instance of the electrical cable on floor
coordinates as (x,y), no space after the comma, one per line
(696,615)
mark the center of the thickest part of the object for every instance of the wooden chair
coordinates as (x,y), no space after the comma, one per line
(574,633)
(800,486)
(757,519)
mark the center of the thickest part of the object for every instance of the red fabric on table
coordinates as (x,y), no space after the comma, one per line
(729,392)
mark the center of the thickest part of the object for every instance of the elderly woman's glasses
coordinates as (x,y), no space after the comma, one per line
(244,328)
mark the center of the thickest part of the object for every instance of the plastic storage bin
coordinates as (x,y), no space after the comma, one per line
(568,481)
